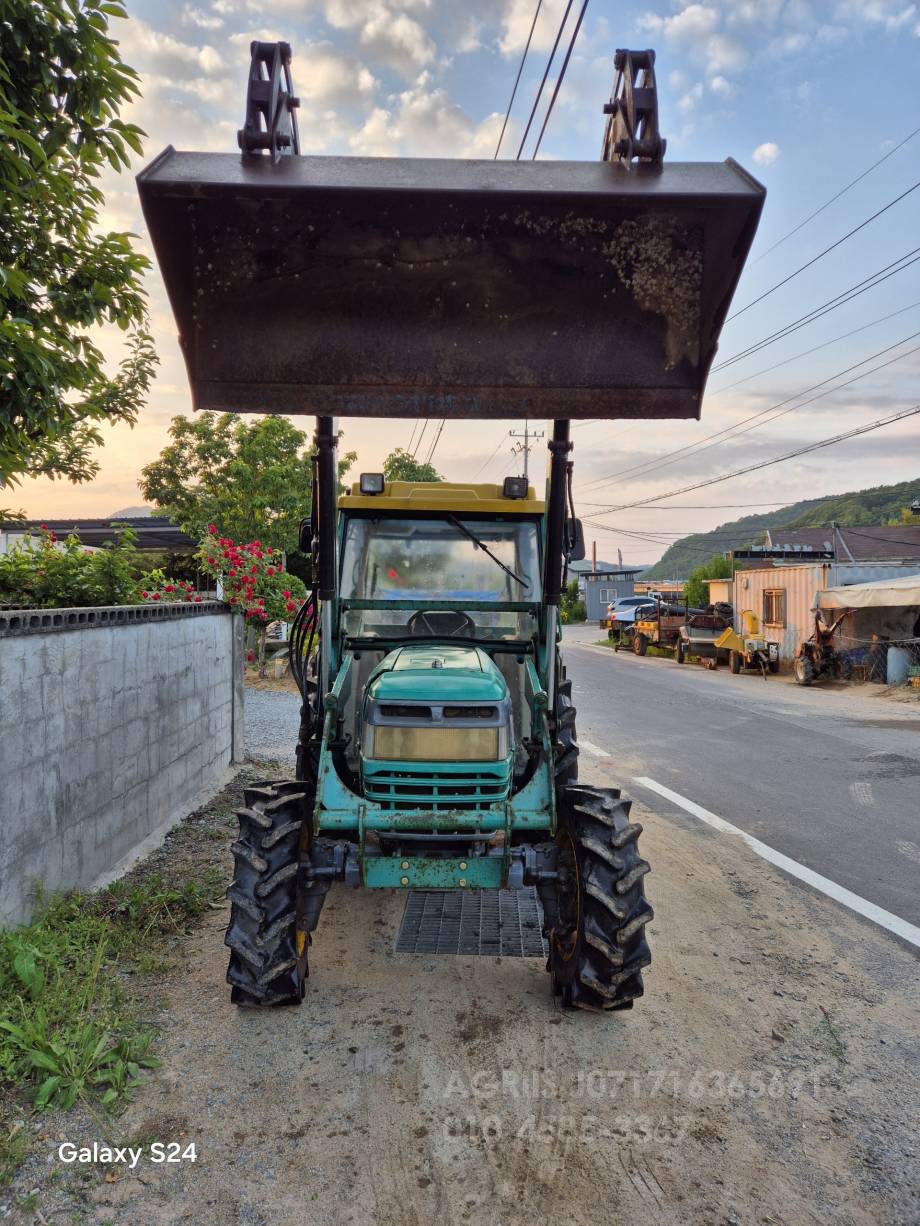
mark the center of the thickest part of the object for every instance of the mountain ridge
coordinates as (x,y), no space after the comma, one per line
(855,509)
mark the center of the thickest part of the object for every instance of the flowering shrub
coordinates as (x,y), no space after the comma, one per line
(254,582)
(155,587)
(46,573)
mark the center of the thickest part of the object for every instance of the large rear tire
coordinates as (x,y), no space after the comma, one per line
(639,644)
(266,936)
(734,662)
(597,945)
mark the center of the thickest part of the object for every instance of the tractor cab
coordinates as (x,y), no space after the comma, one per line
(439,610)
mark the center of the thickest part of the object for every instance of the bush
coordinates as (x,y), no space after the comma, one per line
(51,574)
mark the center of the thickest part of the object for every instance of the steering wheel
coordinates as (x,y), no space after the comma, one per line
(439,623)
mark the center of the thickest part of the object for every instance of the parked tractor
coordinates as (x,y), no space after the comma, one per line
(817,659)
(750,649)
(437,746)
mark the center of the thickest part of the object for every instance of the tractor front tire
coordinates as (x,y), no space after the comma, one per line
(639,644)
(598,946)
(268,947)
(734,662)
(803,670)
(679,652)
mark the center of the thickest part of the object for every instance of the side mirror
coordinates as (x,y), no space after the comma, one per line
(305,537)
(574,540)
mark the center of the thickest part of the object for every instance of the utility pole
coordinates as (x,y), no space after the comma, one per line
(524,446)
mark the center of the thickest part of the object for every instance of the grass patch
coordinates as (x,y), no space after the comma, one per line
(68,1026)
(14,1145)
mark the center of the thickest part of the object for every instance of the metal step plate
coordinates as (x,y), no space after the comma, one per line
(478,923)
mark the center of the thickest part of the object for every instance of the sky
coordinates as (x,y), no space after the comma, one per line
(806,94)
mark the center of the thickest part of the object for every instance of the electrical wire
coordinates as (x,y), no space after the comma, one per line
(821,254)
(421,435)
(549,64)
(483,467)
(790,455)
(815,349)
(859,178)
(437,439)
(559,80)
(735,431)
(517,79)
(841,299)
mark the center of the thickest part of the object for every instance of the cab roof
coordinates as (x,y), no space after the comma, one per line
(441,496)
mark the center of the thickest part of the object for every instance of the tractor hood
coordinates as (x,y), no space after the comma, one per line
(432,673)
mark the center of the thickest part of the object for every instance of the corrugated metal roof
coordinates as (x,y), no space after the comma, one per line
(153,531)
(853,544)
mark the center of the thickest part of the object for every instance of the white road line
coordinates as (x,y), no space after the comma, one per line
(900,927)
(598,753)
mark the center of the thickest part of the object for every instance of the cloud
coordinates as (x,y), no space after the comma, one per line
(192,16)
(517,20)
(326,74)
(387,30)
(423,123)
(722,87)
(150,51)
(766,154)
(891,15)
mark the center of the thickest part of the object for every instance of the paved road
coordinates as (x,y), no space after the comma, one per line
(827,776)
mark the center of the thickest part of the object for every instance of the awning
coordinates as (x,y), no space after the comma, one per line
(900,593)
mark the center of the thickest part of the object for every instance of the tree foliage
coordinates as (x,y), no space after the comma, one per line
(252,480)
(696,591)
(572,607)
(62,84)
(401,465)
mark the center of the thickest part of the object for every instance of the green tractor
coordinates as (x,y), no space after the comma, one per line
(438,748)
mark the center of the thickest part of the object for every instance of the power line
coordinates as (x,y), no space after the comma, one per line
(790,455)
(559,80)
(549,64)
(437,439)
(821,254)
(841,299)
(734,431)
(421,435)
(811,216)
(815,349)
(517,79)
(703,506)
(483,467)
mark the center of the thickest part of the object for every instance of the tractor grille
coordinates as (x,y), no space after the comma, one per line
(483,923)
(408,789)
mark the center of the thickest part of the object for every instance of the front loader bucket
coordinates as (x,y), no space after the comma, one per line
(446,288)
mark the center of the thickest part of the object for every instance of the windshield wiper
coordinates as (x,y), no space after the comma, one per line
(486,550)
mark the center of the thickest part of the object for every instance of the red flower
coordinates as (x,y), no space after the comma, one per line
(270,571)
(232,570)
(250,656)
(43,527)
(253,570)
(144,595)
(212,561)
(156,595)
(226,553)
(286,594)
(169,588)
(269,551)
(197,600)
(291,606)
(212,528)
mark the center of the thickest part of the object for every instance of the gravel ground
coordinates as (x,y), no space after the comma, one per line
(272,724)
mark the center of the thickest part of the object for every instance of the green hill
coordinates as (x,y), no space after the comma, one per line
(861,508)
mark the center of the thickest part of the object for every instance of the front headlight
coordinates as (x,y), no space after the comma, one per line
(400,744)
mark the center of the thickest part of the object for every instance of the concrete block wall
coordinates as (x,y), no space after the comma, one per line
(113,723)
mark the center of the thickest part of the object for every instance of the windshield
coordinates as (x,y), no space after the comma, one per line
(437,559)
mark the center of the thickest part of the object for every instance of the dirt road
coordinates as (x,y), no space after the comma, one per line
(770,1075)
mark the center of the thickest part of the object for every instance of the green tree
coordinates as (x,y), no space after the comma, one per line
(696,591)
(252,480)
(401,465)
(572,609)
(62,278)
(907,516)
